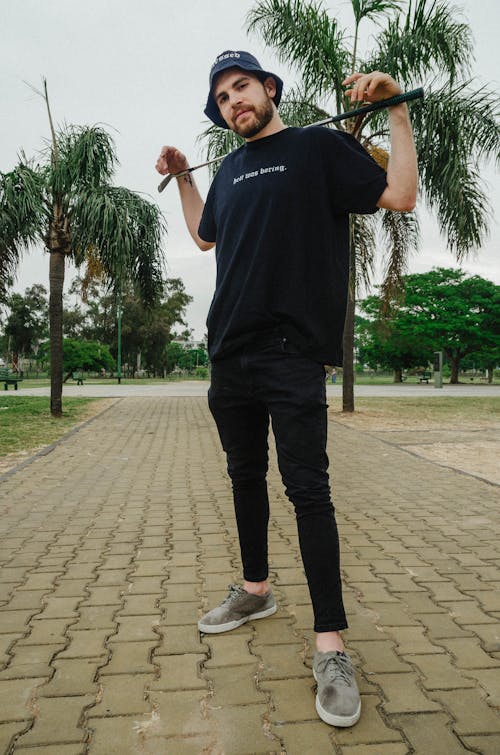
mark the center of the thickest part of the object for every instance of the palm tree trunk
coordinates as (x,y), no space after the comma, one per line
(56,278)
(348,346)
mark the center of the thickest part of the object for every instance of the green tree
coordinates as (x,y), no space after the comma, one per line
(67,203)
(382,343)
(456,127)
(446,310)
(83,355)
(26,321)
(146,330)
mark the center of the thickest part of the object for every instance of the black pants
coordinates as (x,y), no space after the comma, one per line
(273,380)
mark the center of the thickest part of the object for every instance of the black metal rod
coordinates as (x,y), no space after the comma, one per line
(414,94)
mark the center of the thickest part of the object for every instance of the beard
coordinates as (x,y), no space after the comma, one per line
(263,115)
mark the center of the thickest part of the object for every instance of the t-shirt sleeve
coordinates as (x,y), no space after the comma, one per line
(355,180)
(207,230)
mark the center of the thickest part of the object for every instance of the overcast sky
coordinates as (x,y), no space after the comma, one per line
(141,69)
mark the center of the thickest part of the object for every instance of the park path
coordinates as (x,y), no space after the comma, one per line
(113,543)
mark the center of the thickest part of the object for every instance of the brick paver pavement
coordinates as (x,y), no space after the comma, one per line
(115,542)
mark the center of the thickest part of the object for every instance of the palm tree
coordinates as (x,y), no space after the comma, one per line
(67,204)
(456,127)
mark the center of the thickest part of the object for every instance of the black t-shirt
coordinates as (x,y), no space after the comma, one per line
(278,210)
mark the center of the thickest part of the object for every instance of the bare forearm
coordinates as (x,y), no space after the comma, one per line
(192,207)
(402,172)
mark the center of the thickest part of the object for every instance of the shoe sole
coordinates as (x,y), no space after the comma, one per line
(332,719)
(218,628)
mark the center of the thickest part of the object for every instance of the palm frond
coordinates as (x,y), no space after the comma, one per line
(86,157)
(299,109)
(373,9)
(455,131)
(302,34)
(401,237)
(219,141)
(363,234)
(22,213)
(429,41)
(126,230)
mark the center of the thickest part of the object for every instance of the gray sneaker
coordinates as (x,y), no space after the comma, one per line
(337,700)
(236,609)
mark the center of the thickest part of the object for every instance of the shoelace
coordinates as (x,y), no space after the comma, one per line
(234,592)
(338,668)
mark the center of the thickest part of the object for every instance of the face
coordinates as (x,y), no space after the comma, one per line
(244,101)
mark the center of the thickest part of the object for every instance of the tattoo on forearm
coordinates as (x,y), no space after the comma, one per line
(188,179)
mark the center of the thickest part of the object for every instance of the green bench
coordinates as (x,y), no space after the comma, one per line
(78,376)
(7,378)
(424,377)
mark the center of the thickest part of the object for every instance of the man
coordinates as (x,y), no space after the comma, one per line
(278,211)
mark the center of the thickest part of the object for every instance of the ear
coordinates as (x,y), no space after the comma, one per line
(270,86)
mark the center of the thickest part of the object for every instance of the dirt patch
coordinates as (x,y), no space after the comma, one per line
(463,443)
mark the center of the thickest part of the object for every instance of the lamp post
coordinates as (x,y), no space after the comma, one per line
(119,320)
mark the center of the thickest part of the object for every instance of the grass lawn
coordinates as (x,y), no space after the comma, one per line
(26,423)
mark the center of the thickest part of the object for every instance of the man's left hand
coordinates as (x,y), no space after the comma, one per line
(371,87)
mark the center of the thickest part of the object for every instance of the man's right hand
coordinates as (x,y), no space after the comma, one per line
(171,161)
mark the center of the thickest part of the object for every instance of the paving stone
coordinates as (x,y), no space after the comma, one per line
(72,677)
(56,722)
(16,697)
(135,628)
(10,730)
(103,596)
(274,631)
(305,738)
(73,749)
(489,679)
(411,640)
(439,672)
(86,643)
(230,650)
(370,728)
(180,639)
(112,701)
(281,662)
(486,745)
(15,621)
(471,712)
(489,634)
(237,726)
(129,658)
(181,712)
(469,654)
(403,693)
(175,614)
(380,657)
(390,748)
(427,729)
(95,617)
(441,625)
(179,672)
(233,685)
(468,612)
(291,699)
(30,661)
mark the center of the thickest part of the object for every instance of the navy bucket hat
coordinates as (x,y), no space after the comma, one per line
(245,61)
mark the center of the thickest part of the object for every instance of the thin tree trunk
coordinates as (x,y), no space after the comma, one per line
(348,366)
(454,364)
(398,376)
(56,278)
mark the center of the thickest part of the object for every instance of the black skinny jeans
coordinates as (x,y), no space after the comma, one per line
(273,380)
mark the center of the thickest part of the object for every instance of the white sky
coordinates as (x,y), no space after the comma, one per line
(142,70)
